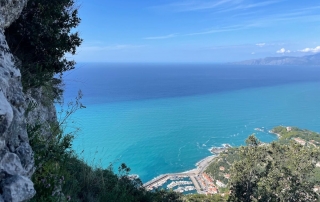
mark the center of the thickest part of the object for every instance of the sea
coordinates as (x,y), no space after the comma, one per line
(164,118)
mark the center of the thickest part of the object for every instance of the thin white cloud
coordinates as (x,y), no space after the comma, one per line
(311,50)
(223,29)
(189,5)
(283,50)
(293,17)
(309,8)
(261,4)
(253,53)
(110,48)
(212,31)
(249,6)
(161,37)
(245,9)
(218,5)
(225,47)
(289,17)
(260,44)
(301,18)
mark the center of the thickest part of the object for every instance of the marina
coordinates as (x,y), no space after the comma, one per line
(186,182)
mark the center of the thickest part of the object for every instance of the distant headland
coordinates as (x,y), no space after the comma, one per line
(309,60)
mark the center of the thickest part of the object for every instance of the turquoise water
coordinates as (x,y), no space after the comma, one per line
(170,134)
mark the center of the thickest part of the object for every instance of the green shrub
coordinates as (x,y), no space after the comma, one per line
(41,37)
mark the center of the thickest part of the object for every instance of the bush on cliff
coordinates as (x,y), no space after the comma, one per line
(41,37)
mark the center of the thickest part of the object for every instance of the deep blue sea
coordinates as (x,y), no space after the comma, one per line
(164,118)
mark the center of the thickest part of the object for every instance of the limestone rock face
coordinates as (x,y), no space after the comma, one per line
(15,185)
(16,155)
(44,111)
(10,11)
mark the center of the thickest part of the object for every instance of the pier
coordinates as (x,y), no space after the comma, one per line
(196,184)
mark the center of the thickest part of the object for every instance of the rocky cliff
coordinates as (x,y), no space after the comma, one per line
(16,155)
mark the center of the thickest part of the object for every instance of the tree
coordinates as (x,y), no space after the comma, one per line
(41,37)
(274,172)
(246,172)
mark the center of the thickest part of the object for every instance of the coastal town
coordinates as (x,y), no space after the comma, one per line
(193,181)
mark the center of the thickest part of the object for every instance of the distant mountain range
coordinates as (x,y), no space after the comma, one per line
(312,60)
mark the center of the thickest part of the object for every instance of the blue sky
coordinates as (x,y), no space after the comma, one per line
(196,31)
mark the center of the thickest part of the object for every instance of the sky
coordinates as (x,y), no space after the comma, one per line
(196,31)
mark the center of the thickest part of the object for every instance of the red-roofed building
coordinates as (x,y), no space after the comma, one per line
(300,141)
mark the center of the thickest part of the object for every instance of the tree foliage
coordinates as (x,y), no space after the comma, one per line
(224,159)
(41,37)
(274,172)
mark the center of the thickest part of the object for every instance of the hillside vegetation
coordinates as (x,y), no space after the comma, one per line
(289,133)
(284,170)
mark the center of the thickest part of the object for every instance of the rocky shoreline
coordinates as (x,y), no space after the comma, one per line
(218,150)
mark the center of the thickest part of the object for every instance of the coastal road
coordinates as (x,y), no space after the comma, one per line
(203,164)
